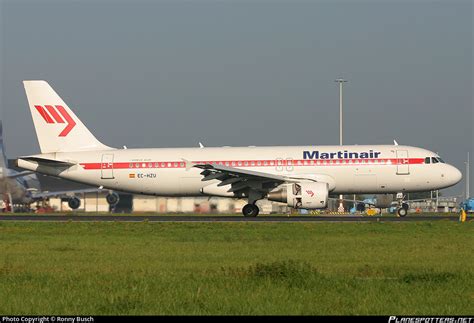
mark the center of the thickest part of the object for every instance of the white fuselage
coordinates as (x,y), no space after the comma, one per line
(167,171)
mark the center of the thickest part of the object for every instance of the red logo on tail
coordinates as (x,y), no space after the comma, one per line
(50,115)
(310,193)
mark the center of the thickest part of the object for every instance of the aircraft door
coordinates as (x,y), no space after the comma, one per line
(289,164)
(107,166)
(279,164)
(403,167)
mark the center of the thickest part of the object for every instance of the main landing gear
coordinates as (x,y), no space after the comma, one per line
(250,210)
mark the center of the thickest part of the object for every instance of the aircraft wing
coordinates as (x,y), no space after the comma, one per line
(241,179)
(20,174)
(46,194)
(236,172)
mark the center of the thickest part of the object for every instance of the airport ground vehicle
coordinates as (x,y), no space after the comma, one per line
(468,205)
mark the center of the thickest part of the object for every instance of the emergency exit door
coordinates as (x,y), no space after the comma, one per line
(107,166)
(403,166)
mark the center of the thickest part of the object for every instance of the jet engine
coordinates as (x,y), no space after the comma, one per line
(112,198)
(74,203)
(301,195)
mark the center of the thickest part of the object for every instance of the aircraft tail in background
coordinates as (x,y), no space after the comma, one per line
(3,157)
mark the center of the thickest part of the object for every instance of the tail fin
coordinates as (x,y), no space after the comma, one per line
(58,129)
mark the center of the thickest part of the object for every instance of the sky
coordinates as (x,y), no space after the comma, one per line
(240,73)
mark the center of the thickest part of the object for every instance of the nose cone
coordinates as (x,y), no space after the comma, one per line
(453,175)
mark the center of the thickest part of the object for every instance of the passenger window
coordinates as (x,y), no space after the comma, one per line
(427,160)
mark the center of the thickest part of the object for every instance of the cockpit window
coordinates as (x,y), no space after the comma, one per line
(433,160)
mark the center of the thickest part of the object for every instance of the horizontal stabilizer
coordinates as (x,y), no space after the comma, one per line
(48,162)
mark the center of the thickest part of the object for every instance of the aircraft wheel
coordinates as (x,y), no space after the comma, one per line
(402,212)
(250,210)
(405,206)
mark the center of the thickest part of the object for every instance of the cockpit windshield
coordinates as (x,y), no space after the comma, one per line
(433,160)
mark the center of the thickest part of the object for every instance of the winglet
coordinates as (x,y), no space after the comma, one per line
(395,142)
(201,145)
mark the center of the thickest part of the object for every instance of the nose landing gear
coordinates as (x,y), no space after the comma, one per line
(403,210)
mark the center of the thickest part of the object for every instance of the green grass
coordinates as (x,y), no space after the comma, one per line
(415,268)
(83,213)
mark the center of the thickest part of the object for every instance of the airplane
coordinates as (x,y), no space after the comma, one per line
(300,176)
(23,188)
(15,187)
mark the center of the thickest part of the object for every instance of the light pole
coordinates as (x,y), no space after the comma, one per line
(467,177)
(340,81)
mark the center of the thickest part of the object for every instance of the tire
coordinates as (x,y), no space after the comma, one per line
(250,210)
(402,212)
(405,206)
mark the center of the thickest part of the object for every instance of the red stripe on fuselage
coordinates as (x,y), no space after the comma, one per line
(259,163)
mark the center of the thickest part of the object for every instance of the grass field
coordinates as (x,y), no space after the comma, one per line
(415,268)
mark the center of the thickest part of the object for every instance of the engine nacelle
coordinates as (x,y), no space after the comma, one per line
(112,198)
(302,195)
(74,203)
